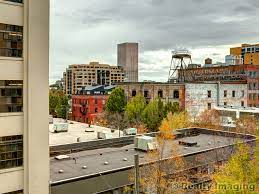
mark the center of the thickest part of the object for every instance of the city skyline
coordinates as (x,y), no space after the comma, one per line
(90,31)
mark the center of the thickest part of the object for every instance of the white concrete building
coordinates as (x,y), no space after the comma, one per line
(24,62)
(205,96)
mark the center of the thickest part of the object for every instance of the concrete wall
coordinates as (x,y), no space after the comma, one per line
(36,88)
(11,124)
(13,68)
(11,180)
(196,96)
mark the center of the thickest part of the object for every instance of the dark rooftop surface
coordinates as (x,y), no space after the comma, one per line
(94,159)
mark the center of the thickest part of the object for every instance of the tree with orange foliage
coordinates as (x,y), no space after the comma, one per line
(158,175)
(246,124)
(208,119)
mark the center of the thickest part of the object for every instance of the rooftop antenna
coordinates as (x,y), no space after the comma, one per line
(181,58)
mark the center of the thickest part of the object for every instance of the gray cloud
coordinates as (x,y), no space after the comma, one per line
(82,31)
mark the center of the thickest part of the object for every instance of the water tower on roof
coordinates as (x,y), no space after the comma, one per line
(181,58)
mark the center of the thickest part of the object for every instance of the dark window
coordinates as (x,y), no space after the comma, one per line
(146,94)
(233,94)
(11,97)
(11,151)
(225,103)
(96,110)
(209,93)
(96,101)
(11,40)
(133,93)
(242,103)
(209,106)
(16,1)
(176,94)
(160,93)
(225,93)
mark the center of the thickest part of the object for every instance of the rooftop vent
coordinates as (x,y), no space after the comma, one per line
(106,163)
(125,159)
(84,167)
(188,143)
(209,143)
(62,157)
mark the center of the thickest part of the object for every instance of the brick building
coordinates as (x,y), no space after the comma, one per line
(206,96)
(89,102)
(248,52)
(168,92)
(234,73)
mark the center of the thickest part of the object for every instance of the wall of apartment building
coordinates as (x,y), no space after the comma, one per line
(94,73)
(86,107)
(204,96)
(26,125)
(127,57)
(166,91)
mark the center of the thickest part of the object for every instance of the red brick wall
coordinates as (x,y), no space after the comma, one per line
(84,107)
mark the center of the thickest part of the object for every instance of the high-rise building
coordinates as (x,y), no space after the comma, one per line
(80,75)
(24,62)
(127,58)
(248,52)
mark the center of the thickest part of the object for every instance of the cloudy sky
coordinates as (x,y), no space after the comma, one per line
(89,30)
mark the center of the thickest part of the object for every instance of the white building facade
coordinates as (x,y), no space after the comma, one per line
(205,96)
(24,64)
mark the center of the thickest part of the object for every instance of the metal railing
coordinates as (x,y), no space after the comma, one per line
(15,1)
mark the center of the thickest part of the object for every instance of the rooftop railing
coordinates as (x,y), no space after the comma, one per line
(15,1)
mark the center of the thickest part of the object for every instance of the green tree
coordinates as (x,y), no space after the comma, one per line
(58,103)
(171,107)
(152,116)
(62,107)
(238,175)
(117,101)
(135,108)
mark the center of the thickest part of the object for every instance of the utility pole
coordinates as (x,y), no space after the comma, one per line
(136,161)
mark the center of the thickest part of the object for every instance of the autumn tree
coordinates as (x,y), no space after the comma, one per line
(238,175)
(135,108)
(208,119)
(161,174)
(246,124)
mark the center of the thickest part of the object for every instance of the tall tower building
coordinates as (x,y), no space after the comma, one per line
(24,63)
(127,58)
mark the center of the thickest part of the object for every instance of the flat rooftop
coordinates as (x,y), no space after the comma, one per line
(94,159)
(75,130)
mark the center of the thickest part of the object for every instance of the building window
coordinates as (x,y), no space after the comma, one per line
(209,106)
(146,94)
(133,93)
(242,103)
(242,93)
(96,110)
(209,93)
(11,151)
(96,101)
(225,103)
(160,93)
(233,94)
(16,1)
(176,94)
(225,93)
(11,40)
(11,96)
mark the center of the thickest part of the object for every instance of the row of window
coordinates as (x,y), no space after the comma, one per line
(233,94)
(159,94)
(11,151)
(11,40)
(11,96)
